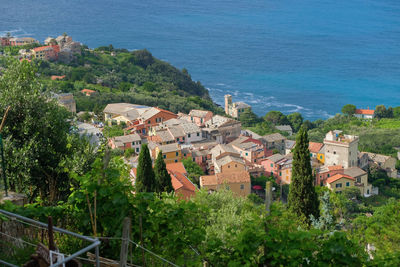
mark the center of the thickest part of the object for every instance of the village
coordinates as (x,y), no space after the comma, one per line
(229,155)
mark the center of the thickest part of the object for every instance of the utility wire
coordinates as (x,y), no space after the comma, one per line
(145,249)
(18,239)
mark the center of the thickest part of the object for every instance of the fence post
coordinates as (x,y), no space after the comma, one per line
(125,242)
(268,196)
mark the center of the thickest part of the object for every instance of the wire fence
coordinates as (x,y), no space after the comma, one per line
(19,240)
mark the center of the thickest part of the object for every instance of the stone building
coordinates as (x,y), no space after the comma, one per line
(341,149)
(235,109)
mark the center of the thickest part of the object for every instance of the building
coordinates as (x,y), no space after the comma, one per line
(134,141)
(339,182)
(323,173)
(229,163)
(238,182)
(250,149)
(341,149)
(171,153)
(361,180)
(289,146)
(88,92)
(182,185)
(66,100)
(235,109)
(49,52)
(150,118)
(273,142)
(317,151)
(5,41)
(123,112)
(365,113)
(222,129)
(22,41)
(199,117)
(285,128)
(383,162)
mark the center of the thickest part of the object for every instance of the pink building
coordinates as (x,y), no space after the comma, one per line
(323,173)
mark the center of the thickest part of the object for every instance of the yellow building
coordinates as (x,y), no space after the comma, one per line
(339,182)
(238,182)
(171,153)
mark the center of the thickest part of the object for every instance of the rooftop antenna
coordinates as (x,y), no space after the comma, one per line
(3,168)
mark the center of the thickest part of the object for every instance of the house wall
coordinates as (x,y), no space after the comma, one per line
(232,167)
(170,157)
(194,137)
(286,175)
(239,189)
(230,132)
(321,177)
(341,153)
(270,167)
(342,181)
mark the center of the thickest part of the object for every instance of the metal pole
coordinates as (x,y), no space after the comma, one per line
(97,257)
(3,165)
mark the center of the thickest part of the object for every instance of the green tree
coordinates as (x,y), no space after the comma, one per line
(349,109)
(380,111)
(276,117)
(35,135)
(296,120)
(194,170)
(163,179)
(248,118)
(145,179)
(303,199)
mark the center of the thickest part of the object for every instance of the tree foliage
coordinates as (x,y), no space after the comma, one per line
(349,109)
(145,179)
(162,177)
(303,199)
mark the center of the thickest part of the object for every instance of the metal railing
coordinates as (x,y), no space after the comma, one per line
(95,243)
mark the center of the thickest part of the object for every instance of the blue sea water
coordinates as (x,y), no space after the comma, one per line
(311,56)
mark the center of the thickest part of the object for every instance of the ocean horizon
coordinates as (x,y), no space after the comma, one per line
(311,57)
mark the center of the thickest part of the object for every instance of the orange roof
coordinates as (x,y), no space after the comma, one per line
(339,176)
(335,168)
(176,167)
(315,147)
(38,49)
(55,77)
(365,111)
(87,90)
(167,111)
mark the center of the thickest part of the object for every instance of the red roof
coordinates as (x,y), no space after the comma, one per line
(183,187)
(55,77)
(365,111)
(339,176)
(87,91)
(315,147)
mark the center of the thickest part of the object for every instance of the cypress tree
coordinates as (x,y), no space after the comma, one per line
(163,178)
(303,200)
(145,179)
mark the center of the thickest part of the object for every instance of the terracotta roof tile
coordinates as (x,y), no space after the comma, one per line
(337,177)
(315,147)
(365,111)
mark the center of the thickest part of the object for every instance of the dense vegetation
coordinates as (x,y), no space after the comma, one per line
(94,195)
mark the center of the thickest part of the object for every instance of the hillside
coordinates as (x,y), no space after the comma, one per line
(119,75)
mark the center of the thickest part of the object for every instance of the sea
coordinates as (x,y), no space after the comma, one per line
(309,56)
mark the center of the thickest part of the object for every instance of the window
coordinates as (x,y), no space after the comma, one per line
(198,134)
(149,121)
(194,159)
(334,152)
(183,138)
(177,153)
(164,156)
(235,165)
(177,139)
(137,150)
(338,185)
(247,154)
(201,120)
(140,142)
(272,165)
(347,183)
(280,173)
(329,175)
(176,161)
(227,187)
(184,154)
(189,135)
(191,118)
(229,166)
(320,157)
(241,186)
